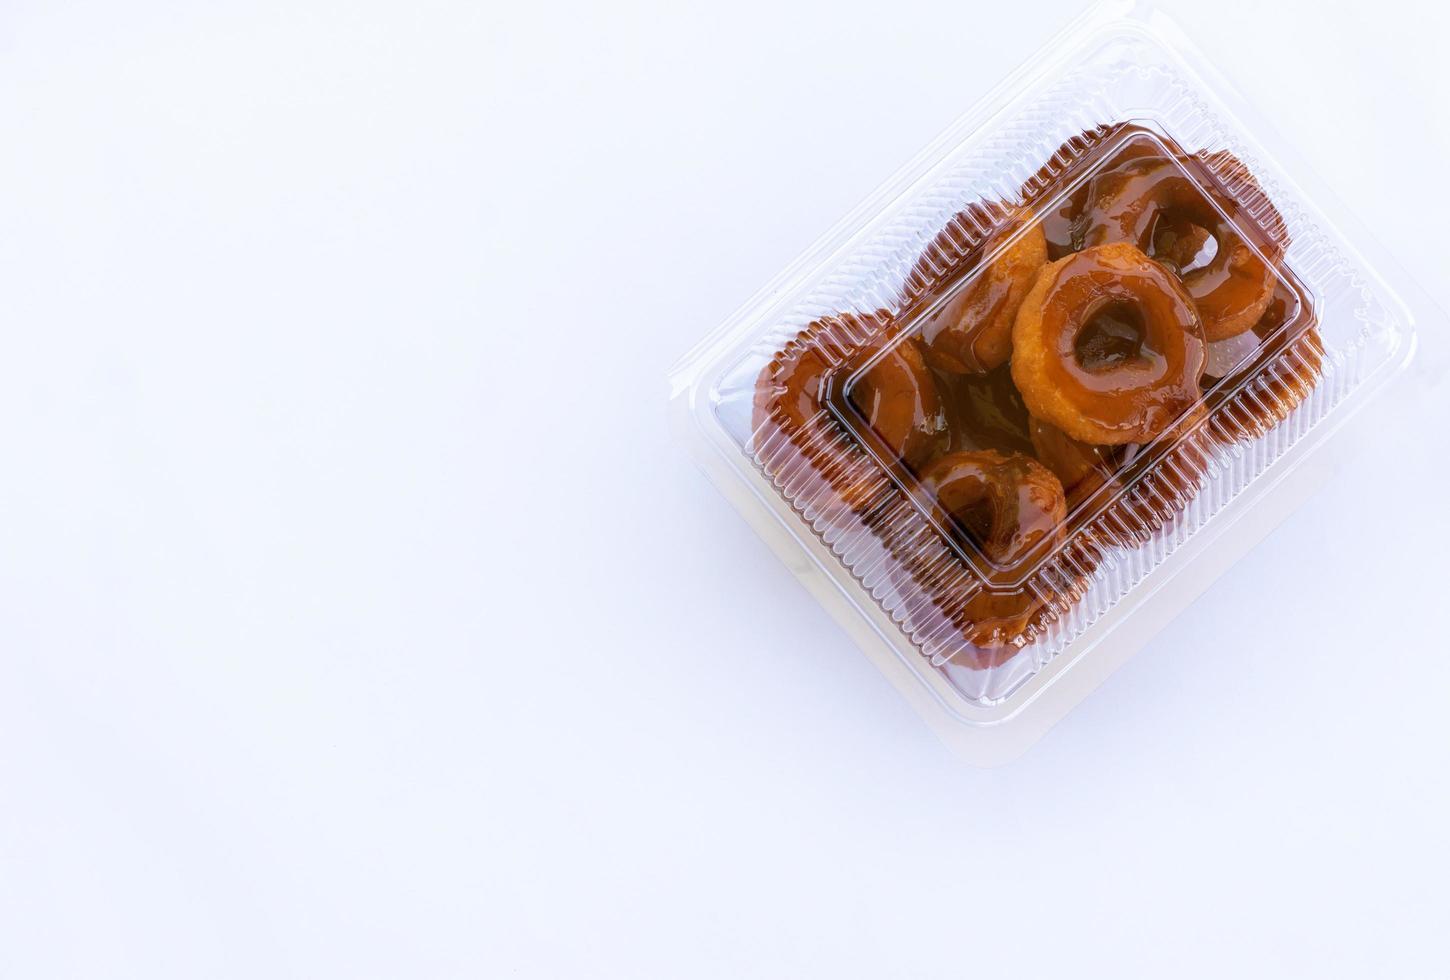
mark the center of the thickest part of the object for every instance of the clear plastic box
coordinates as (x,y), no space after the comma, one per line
(1004,417)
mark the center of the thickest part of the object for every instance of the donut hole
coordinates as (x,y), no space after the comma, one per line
(975,520)
(1111,338)
(972,518)
(1181,243)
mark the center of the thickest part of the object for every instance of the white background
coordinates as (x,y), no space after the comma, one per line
(360,619)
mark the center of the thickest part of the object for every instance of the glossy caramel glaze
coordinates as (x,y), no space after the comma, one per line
(1081,468)
(897,397)
(1254,381)
(1128,398)
(792,423)
(972,331)
(994,626)
(985,411)
(1131,203)
(790,391)
(982,411)
(1060,215)
(1010,506)
(1010,509)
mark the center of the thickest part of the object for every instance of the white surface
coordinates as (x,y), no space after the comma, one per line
(359,619)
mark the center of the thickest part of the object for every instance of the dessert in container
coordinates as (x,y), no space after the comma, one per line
(1039,390)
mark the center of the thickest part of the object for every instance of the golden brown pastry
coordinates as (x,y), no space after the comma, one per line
(1108,346)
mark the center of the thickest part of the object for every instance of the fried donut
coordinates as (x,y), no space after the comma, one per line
(1260,377)
(898,398)
(1060,221)
(1232,176)
(1129,203)
(977,629)
(1108,346)
(972,332)
(1010,505)
(1081,468)
(1012,508)
(794,431)
(789,391)
(997,625)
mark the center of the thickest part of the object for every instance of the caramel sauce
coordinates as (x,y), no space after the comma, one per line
(985,411)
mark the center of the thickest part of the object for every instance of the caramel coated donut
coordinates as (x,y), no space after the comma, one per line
(972,332)
(1061,220)
(982,629)
(1256,380)
(1097,385)
(1010,505)
(898,398)
(1128,204)
(998,624)
(791,389)
(788,393)
(1233,177)
(1081,468)
(793,429)
(1013,509)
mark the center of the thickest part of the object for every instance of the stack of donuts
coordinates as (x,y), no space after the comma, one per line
(1059,367)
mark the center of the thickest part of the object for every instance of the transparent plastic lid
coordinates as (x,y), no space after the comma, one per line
(995,403)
